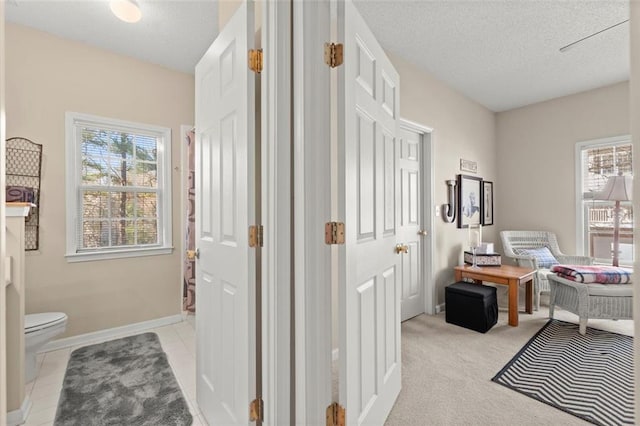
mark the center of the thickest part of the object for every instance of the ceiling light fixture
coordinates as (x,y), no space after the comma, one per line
(570,45)
(126,10)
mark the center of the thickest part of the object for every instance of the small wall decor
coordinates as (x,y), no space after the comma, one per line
(23,168)
(468,166)
(487,202)
(469,199)
(449,209)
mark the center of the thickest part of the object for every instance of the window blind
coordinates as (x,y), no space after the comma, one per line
(118,189)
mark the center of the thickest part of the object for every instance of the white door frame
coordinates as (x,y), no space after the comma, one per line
(312,208)
(277,363)
(428,212)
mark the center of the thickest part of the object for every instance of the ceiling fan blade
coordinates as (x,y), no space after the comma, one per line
(570,45)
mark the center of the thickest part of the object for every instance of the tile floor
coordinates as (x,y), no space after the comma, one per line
(178,341)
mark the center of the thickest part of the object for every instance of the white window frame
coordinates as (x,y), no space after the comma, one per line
(74,175)
(581,219)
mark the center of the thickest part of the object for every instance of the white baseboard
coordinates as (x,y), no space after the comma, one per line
(335,354)
(110,333)
(439,308)
(19,416)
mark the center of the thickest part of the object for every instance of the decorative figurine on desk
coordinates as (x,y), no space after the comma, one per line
(475,239)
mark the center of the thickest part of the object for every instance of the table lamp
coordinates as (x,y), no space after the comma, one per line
(618,188)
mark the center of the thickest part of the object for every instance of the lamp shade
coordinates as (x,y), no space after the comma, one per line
(617,188)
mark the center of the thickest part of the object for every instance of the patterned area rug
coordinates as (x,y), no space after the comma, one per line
(125,381)
(588,376)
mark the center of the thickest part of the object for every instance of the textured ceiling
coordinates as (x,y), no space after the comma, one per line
(172,33)
(503,54)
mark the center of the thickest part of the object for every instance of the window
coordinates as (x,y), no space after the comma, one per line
(595,162)
(118,188)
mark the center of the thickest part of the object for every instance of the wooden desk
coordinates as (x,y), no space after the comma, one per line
(507,275)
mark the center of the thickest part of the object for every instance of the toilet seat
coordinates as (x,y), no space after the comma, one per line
(36,322)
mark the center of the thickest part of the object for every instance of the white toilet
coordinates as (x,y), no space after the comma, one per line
(39,329)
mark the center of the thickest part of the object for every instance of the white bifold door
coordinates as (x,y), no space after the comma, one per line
(369,195)
(225,191)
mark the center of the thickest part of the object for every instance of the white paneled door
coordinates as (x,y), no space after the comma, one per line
(225,190)
(369,184)
(410,232)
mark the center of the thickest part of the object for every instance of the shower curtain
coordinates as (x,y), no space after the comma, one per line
(189,279)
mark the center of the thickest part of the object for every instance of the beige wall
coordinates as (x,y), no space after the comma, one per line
(226,9)
(47,76)
(3,305)
(536,151)
(462,128)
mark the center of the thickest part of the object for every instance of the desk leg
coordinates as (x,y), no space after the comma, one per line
(529,297)
(513,303)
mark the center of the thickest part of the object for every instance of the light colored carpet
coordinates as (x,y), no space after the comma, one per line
(447,371)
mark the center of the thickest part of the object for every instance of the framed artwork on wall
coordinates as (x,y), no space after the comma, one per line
(487,202)
(469,201)
(468,166)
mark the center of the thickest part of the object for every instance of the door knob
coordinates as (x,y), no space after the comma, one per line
(193,254)
(401,248)
(423,232)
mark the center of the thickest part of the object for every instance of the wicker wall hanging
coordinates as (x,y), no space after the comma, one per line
(24,166)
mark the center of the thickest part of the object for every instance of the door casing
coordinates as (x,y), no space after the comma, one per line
(312,206)
(278,362)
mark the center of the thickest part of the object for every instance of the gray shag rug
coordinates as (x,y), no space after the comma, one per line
(125,381)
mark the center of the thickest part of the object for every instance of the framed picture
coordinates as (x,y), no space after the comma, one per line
(468,166)
(487,202)
(469,201)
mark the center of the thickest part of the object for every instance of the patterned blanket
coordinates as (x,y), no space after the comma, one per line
(600,274)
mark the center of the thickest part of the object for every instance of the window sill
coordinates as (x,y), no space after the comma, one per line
(117,254)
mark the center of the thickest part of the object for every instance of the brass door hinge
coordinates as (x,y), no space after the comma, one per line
(256,234)
(335,415)
(333,54)
(334,233)
(255,60)
(256,410)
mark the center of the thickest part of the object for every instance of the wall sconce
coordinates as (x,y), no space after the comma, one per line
(449,209)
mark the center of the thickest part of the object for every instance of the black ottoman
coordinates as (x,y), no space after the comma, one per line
(473,306)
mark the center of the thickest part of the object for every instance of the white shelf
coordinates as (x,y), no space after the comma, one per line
(18,209)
